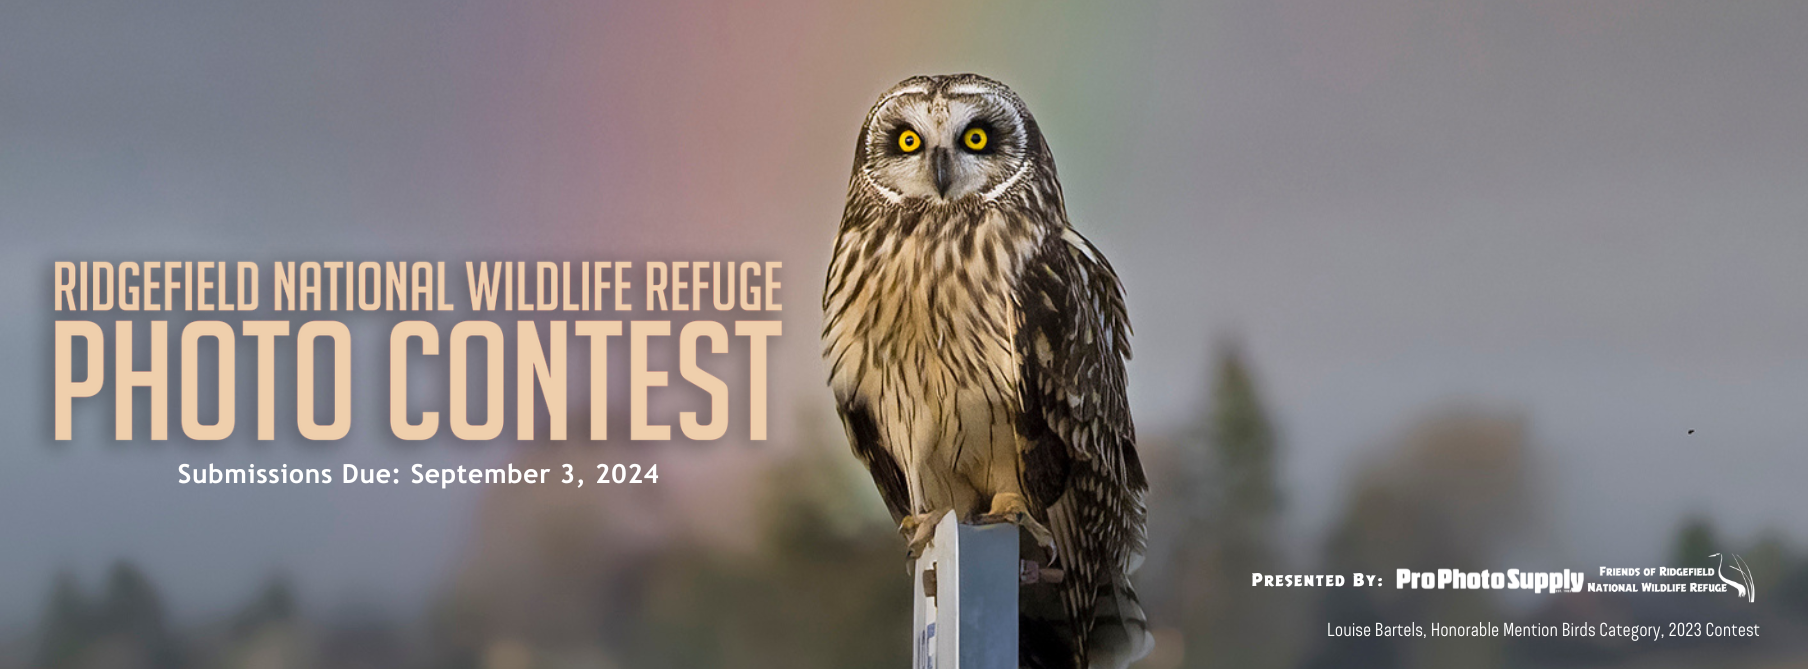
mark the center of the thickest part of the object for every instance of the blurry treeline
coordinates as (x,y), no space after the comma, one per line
(556,577)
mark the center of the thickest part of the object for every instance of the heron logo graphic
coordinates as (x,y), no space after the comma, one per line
(1746,590)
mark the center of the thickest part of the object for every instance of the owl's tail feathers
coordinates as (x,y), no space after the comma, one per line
(1120,632)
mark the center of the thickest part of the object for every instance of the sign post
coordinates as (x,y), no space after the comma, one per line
(965,610)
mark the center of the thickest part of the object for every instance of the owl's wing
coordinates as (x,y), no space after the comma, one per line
(863,435)
(1080,466)
(1073,340)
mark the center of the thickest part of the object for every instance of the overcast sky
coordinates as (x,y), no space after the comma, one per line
(1595,214)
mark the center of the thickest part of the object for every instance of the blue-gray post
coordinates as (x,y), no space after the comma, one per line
(969,619)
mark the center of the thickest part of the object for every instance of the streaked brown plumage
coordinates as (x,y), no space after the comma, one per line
(976,346)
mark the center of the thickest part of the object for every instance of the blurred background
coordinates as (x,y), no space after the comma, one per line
(1415,284)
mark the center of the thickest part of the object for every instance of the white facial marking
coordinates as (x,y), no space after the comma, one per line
(969,89)
(900,92)
(1022,169)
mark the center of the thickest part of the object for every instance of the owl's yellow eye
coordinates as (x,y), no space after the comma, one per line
(975,139)
(909,142)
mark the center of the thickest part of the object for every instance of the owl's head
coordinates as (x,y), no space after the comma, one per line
(944,138)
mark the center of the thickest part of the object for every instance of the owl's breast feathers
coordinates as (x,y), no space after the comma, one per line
(919,334)
(925,286)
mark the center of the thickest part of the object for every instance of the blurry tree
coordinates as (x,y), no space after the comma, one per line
(267,633)
(132,615)
(124,628)
(826,587)
(1451,493)
(1792,587)
(1225,491)
(355,636)
(1346,553)
(66,625)
(1768,558)
(273,604)
(1695,541)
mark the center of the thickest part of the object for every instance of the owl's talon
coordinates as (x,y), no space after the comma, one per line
(918,530)
(1012,508)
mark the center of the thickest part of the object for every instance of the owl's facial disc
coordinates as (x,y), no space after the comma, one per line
(942,146)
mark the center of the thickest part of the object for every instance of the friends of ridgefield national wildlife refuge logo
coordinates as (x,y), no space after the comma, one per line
(1730,573)
(1747,591)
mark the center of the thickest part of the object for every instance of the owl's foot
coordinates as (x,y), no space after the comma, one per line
(918,530)
(1010,507)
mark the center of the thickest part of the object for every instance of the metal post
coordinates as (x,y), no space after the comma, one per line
(965,615)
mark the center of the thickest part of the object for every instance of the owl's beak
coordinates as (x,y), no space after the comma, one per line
(942,162)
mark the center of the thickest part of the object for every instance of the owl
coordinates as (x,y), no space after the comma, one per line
(976,343)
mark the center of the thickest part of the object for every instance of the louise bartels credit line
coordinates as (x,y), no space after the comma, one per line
(1583,629)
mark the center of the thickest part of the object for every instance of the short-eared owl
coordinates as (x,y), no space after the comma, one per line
(976,345)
